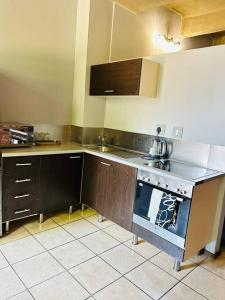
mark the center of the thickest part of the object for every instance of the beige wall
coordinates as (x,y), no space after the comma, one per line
(37,40)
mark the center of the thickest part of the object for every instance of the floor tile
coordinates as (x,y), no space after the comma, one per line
(152,280)
(35,227)
(120,290)
(198,259)
(10,284)
(23,296)
(37,269)
(15,233)
(94,220)
(143,248)
(119,233)
(53,238)
(182,292)
(3,262)
(206,283)
(80,228)
(21,249)
(122,258)
(166,262)
(94,274)
(72,254)
(62,286)
(86,213)
(65,217)
(99,242)
(216,266)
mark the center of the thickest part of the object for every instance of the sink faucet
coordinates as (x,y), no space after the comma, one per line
(101,141)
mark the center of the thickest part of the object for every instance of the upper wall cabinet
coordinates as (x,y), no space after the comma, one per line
(136,77)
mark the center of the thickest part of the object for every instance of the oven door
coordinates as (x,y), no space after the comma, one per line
(174,233)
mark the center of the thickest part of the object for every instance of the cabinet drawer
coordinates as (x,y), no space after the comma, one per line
(20,208)
(22,180)
(21,164)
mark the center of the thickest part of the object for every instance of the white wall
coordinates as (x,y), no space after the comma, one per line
(191,95)
(37,40)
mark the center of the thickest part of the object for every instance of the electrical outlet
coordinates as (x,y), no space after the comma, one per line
(177,132)
(163,129)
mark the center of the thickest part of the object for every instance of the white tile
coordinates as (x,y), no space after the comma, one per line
(94,220)
(54,237)
(216,266)
(62,286)
(143,248)
(80,228)
(86,213)
(37,269)
(182,292)
(206,283)
(72,254)
(119,233)
(120,290)
(152,280)
(23,296)
(122,258)
(10,284)
(166,262)
(3,262)
(99,242)
(94,274)
(21,249)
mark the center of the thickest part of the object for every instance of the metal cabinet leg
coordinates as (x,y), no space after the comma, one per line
(100,218)
(176,266)
(82,207)
(41,218)
(7,227)
(70,210)
(135,239)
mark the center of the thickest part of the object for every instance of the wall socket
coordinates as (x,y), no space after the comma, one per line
(163,129)
(177,132)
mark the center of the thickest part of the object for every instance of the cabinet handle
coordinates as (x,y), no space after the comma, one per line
(109,91)
(22,180)
(75,157)
(24,164)
(22,196)
(105,164)
(21,211)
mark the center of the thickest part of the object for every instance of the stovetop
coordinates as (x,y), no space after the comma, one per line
(178,168)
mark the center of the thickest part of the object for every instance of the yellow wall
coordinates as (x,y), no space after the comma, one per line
(37,40)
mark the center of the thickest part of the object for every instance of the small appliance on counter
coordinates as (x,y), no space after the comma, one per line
(158,148)
(16,135)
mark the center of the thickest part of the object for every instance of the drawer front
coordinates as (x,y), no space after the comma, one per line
(23,181)
(19,208)
(21,164)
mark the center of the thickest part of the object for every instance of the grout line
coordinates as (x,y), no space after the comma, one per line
(194,290)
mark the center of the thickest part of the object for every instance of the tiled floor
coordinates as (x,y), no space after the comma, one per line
(75,257)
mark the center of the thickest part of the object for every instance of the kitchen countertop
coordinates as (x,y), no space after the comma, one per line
(123,156)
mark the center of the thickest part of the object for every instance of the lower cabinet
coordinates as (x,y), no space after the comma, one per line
(109,187)
(60,182)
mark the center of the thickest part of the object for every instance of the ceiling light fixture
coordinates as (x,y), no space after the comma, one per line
(166,43)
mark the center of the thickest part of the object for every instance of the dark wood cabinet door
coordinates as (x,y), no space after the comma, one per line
(60,178)
(90,181)
(119,78)
(123,186)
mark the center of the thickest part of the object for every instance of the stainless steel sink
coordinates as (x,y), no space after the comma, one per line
(102,148)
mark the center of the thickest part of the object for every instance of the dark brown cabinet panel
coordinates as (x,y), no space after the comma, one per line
(60,178)
(119,78)
(20,187)
(135,77)
(109,187)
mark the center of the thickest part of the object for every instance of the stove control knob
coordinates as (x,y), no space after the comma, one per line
(178,190)
(158,183)
(149,179)
(165,186)
(185,192)
(142,177)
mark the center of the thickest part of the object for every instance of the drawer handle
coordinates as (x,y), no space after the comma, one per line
(109,91)
(105,164)
(22,180)
(21,211)
(22,196)
(23,164)
(75,157)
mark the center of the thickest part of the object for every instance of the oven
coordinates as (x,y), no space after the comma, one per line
(162,207)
